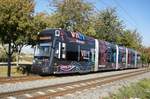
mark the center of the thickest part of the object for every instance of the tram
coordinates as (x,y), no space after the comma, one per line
(61,52)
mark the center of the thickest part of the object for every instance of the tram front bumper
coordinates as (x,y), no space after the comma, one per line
(41,69)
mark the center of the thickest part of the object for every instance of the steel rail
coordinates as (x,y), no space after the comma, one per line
(102,80)
(22,79)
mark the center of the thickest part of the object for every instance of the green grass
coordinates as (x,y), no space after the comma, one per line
(24,59)
(140,90)
(14,72)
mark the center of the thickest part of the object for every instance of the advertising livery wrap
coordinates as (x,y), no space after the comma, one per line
(59,51)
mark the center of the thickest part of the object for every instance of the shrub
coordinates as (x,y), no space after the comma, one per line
(24,69)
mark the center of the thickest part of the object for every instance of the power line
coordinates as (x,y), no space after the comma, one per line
(133,23)
(123,9)
(131,20)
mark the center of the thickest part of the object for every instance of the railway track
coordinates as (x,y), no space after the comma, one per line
(53,91)
(22,79)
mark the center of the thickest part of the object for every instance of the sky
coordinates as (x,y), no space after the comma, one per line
(134,13)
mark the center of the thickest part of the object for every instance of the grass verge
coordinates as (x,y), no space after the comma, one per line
(140,90)
(14,71)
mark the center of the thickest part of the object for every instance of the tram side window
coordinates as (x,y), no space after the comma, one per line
(129,58)
(92,55)
(138,59)
(72,52)
(109,55)
(113,55)
(124,57)
(120,57)
(132,58)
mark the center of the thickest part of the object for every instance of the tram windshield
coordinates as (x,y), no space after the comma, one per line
(43,49)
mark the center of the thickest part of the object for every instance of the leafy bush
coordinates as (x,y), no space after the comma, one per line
(24,69)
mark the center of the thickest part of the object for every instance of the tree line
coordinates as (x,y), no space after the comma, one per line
(19,24)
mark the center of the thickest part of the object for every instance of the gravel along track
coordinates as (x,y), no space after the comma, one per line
(11,87)
(4,80)
(53,91)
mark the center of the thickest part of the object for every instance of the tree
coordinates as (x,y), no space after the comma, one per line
(17,25)
(131,39)
(38,23)
(108,26)
(145,55)
(73,15)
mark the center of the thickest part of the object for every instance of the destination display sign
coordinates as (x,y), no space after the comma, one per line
(45,38)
